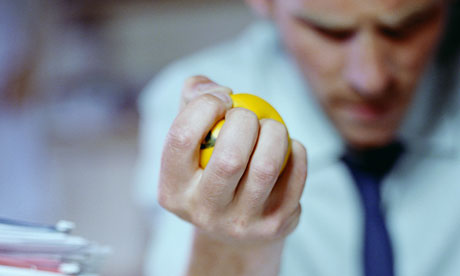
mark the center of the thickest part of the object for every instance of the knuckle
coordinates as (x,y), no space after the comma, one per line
(203,219)
(266,170)
(210,104)
(245,114)
(276,130)
(238,229)
(209,101)
(229,163)
(275,229)
(168,202)
(275,125)
(179,138)
(282,224)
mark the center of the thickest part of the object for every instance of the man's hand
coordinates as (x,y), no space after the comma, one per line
(240,204)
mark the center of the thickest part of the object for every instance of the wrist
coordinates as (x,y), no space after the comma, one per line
(211,256)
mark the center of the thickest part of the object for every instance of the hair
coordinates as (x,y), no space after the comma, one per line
(450,42)
(447,67)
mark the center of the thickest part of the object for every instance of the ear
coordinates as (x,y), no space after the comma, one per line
(261,7)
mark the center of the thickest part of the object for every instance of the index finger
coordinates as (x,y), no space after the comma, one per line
(180,158)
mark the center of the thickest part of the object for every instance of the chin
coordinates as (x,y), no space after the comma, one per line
(368,139)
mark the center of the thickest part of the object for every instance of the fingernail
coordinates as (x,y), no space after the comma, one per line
(224,96)
(205,86)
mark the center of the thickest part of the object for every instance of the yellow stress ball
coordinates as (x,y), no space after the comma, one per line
(260,107)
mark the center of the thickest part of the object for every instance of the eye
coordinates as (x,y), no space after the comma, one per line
(334,34)
(398,33)
(329,33)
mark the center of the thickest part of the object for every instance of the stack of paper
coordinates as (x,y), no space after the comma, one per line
(40,250)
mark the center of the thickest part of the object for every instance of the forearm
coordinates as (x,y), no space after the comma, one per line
(213,257)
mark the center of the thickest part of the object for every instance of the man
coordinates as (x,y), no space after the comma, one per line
(354,81)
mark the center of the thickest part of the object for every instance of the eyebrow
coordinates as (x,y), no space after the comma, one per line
(411,14)
(327,22)
(403,17)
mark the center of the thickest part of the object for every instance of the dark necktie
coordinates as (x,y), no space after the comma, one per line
(368,168)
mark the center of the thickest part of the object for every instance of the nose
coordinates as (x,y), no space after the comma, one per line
(366,71)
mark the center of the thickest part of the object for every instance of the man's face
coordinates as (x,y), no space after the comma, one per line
(362,58)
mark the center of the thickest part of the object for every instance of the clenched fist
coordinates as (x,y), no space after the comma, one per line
(241,205)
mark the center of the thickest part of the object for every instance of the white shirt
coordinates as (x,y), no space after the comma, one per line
(420,197)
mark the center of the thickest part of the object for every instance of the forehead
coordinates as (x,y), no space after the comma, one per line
(355,8)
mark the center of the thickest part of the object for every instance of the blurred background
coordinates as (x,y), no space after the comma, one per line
(70,75)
